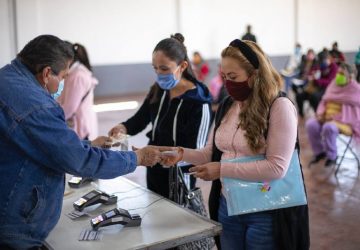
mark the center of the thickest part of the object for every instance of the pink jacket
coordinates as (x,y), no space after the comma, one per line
(348,96)
(231,141)
(77,84)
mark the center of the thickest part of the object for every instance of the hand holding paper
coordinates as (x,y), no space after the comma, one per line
(169,156)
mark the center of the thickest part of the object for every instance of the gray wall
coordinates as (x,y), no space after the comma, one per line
(127,79)
(123,79)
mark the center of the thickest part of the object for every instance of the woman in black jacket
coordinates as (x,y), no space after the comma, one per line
(177,106)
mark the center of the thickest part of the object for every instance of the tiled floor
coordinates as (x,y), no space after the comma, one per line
(334,202)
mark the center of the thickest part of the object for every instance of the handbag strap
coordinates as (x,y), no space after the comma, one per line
(281,94)
(86,95)
(178,189)
(220,113)
(82,100)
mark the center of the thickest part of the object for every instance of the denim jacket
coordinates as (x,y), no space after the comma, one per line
(36,150)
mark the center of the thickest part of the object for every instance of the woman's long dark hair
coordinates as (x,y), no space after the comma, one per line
(175,49)
(81,55)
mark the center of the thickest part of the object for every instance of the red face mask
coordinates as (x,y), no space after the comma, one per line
(240,91)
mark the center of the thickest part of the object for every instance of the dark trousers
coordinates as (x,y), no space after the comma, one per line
(358,72)
(313,98)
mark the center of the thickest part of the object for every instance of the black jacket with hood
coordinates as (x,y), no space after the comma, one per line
(182,121)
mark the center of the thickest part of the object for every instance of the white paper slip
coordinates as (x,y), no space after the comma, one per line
(170,153)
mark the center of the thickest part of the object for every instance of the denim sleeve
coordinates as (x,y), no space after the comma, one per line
(45,138)
(86,142)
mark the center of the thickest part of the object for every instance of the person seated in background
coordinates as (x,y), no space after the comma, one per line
(338,112)
(77,98)
(292,67)
(322,54)
(308,67)
(337,55)
(357,64)
(200,67)
(317,83)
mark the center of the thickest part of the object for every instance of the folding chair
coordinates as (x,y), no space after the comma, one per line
(347,144)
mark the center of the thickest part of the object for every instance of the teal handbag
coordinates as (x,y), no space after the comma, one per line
(250,197)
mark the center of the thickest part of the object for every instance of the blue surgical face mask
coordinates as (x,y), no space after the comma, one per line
(59,90)
(167,81)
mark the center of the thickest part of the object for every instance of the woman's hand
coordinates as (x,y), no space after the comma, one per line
(101,141)
(170,155)
(117,131)
(208,172)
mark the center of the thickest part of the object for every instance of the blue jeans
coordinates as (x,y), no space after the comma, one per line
(248,231)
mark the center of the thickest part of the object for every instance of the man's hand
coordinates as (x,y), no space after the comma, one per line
(101,141)
(117,131)
(147,156)
(208,172)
